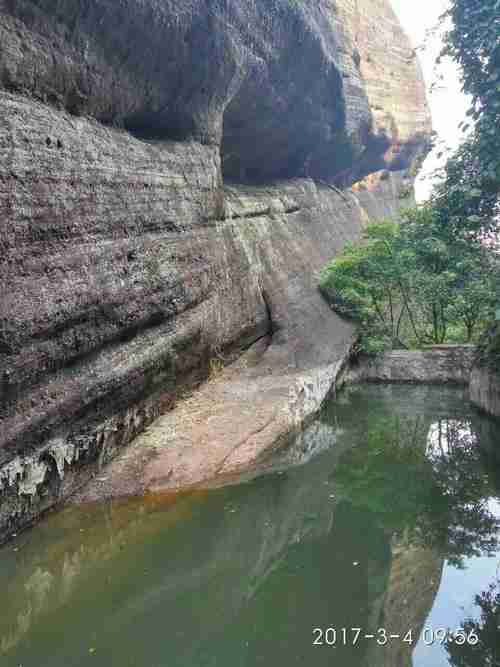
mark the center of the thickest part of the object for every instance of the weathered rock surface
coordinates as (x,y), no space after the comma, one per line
(485,389)
(485,378)
(126,265)
(326,89)
(445,364)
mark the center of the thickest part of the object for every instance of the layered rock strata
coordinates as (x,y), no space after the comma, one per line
(289,88)
(126,264)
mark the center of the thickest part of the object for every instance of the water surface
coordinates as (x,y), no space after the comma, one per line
(381,519)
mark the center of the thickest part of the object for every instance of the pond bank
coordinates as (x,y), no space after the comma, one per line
(389,544)
(248,411)
(241,415)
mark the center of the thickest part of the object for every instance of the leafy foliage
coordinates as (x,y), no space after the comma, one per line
(487,649)
(412,284)
(363,284)
(467,201)
(425,486)
(469,194)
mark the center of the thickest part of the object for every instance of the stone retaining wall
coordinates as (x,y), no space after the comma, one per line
(485,389)
(450,364)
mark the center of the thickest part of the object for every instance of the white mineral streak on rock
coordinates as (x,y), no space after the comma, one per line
(28,472)
(11,472)
(33,474)
(62,452)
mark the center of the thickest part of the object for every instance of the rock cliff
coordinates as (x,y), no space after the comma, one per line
(289,88)
(169,185)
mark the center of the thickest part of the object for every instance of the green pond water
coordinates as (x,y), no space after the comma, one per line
(381,519)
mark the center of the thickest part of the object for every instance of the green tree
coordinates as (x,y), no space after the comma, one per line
(425,486)
(412,284)
(486,650)
(468,197)
(435,279)
(429,259)
(366,283)
(467,200)
(475,292)
(453,276)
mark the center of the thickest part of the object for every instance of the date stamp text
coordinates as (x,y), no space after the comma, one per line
(352,636)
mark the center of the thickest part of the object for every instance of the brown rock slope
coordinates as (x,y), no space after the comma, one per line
(125,263)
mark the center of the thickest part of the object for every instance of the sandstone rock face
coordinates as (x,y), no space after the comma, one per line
(387,63)
(326,89)
(126,263)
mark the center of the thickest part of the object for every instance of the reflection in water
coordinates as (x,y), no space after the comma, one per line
(351,535)
(486,650)
(412,586)
(424,483)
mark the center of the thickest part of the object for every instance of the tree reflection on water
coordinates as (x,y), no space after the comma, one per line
(428,484)
(486,652)
(425,484)
(355,536)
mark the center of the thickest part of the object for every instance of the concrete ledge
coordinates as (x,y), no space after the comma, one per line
(444,364)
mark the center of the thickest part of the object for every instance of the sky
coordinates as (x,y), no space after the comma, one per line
(448,103)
